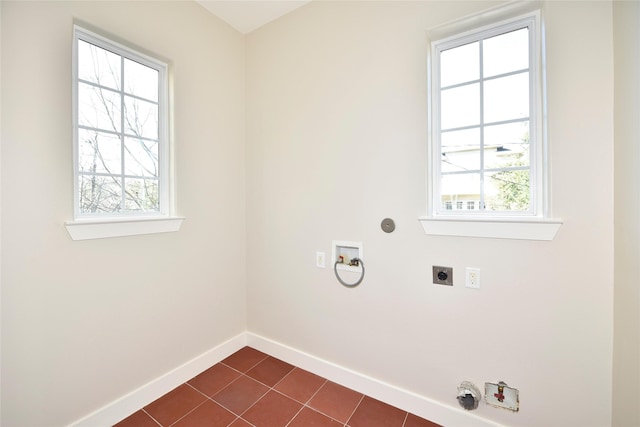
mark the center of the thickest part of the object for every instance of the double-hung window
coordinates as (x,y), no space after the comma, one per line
(121,136)
(487,147)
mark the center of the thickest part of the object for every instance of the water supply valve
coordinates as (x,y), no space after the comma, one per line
(347,256)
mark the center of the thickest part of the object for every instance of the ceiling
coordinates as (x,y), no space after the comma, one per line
(248,15)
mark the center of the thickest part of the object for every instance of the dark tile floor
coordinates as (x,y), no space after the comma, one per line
(251,388)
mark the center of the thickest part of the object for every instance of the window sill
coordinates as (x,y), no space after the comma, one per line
(103,228)
(496,228)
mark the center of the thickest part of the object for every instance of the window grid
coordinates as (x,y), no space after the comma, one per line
(485,171)
(158,173)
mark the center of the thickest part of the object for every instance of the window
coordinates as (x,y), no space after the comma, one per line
(121,146)
(487,136)
(482,129)
(120,130)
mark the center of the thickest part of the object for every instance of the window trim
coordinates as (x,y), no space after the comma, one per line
(500,228)
(537,224)
(101,229)
(92,226)
(535,126)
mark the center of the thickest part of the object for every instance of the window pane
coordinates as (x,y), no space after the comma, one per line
(141,195)
(141,157)
(98,65)
(459,187)
(460,139)
(508,190)
(99,194)
(460,107)
(98,152)
(506,53)
(507,134)
(98,108)
(460,150)
(140,80)
(460,64)
(141,118)
(506,98)
(509,145)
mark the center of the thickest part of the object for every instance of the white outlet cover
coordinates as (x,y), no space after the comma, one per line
(320,257)
(472,278)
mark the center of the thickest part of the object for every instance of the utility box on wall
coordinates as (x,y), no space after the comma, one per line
(347,254)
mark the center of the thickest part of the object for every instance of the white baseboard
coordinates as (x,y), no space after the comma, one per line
(133,401)
(421,406)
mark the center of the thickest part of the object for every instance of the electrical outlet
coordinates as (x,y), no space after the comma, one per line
(473,278)
(320,259)
(442,275)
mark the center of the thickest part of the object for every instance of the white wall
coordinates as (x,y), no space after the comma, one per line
(85,322)
(626,372)
(336,113)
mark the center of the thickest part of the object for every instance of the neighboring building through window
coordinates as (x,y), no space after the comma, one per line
(120,130)
(487,132)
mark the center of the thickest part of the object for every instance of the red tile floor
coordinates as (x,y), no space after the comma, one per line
(251,388)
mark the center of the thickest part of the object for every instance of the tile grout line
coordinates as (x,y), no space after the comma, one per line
(256,402)
(266,356)
(196,407)
(242,419)
(210,398)
(150,416)
(272,388)
(314,395)
(269,388)
(219,404)
(294,417)
(239,416)
(304,405)
(242,374)
(355,409)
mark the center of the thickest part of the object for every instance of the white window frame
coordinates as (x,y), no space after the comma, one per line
(93,226)
(535,224)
